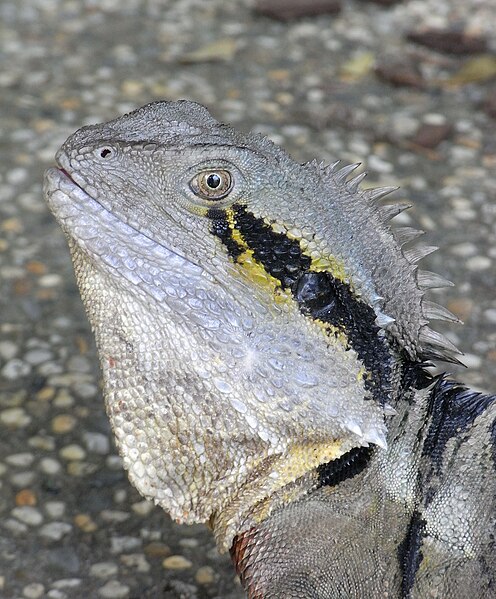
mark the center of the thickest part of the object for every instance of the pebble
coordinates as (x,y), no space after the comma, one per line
(15,369)
(85,390)
(176,562)
(15,417)
(114,516)
(490,315)
(20,460)
(34,590)
(78,468)
(464,249)
(85,522)
(63,399)
(38,356)
(8,349)
(435,119)
(157,549)
(25,497)
(123,544)
(205,575)
(137,561)
(41,442)
(55,509)
(96,443)
(56,594)
(477,263)
(28,515)
(14,526)
(66,583)
(50,280)
(403,125)
(191,543)
(143,508)
(22,479)
(104,569)
(63,423)
(120,495)
(375,163)
(16,176)
(55,531)
(49,368)
(114,462)
(50,466)
(114,590)
(79,364)
(72,452)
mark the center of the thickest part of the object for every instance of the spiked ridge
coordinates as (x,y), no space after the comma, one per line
(389,211)
(434,345)
(432,280)
(406,234)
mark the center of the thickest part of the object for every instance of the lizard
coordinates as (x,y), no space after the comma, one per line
(263,334)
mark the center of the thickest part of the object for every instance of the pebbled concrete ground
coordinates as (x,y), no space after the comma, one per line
(349,86)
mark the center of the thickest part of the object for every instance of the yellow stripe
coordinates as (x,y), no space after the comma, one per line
(254,270)
(320,262)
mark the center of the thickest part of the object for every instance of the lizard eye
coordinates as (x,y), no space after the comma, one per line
(105,152)
(212,185)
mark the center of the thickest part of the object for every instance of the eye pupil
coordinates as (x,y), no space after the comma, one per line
(212,185)
(213,181)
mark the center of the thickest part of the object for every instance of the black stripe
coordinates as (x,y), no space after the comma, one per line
(410,554)
(452,410)
(220,228)
(347,466)
(330,300)
(280,256)
(493,441)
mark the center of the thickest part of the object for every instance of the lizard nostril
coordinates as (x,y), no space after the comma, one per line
(105,152)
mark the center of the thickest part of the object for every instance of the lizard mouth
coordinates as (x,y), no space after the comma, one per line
(67,175)
(79,212)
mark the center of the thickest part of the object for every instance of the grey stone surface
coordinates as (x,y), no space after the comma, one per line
(70,524)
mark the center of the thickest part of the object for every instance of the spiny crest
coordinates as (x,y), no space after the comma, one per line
(434,345)
(404,235)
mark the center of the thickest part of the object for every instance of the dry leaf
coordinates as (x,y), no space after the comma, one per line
(218,51)
(475,70)
(358,67)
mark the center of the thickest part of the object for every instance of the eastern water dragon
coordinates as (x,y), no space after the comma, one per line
(263,336)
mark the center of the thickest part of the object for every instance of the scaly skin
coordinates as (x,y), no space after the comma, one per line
(262,335)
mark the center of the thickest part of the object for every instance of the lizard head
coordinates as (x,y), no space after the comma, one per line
(250,312)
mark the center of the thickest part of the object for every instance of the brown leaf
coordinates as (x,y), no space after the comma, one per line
(384,2)
(400,73)
(490,105)
(475,70)
(450,42)
(285,10)
(430,136)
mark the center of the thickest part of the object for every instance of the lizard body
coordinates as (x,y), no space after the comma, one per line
(262,334)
